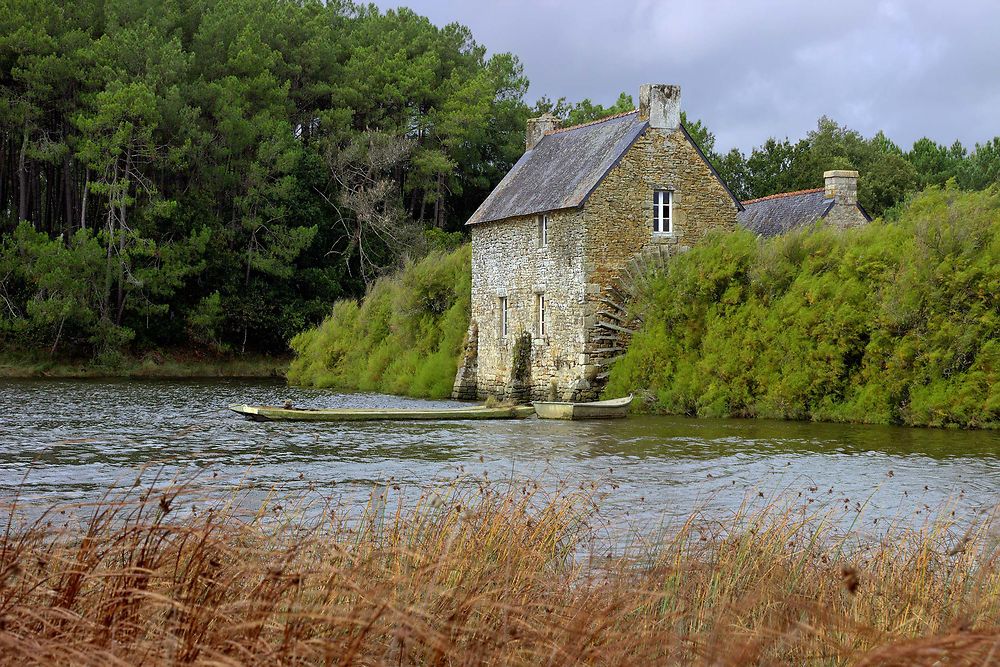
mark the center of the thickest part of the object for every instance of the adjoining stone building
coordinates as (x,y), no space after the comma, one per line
(835,204)
(551,242)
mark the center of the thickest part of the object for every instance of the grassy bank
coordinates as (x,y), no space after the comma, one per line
(169,365)
(486,577)
(405,336)
(898,322)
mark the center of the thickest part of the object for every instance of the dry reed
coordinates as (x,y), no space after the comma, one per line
(484,575)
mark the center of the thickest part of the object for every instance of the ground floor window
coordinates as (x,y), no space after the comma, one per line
(503,316)
(540,317)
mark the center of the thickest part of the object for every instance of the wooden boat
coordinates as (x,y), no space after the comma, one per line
(273,413)
(615,408)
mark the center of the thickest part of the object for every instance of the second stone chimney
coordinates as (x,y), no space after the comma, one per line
(537,127)
(660,104)
(842,185)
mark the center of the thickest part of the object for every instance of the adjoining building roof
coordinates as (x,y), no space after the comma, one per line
(777,214)
(562,169)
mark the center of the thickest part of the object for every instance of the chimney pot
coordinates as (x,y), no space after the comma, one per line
(537,128)
(842,185)
(660,104)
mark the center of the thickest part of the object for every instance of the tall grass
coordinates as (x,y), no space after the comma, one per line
(404,337)
(485,575)
(896,322)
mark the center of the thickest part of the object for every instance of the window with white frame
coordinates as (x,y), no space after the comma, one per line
(503,316)
(540,317)
(543,231)
(663,212)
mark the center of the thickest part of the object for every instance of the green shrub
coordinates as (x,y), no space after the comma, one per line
(891,323)
(404,337)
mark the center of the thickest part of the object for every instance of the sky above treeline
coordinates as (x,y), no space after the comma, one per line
(752,69)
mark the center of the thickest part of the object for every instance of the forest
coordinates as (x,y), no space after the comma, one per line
(216,174)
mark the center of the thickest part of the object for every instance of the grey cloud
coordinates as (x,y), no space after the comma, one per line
(762,68)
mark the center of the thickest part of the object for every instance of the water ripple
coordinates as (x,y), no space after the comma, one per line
(69,440)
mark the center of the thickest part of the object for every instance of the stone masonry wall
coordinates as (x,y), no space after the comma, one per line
(619,216)
(845,215)
(507,261)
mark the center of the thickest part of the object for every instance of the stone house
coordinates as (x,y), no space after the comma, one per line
(835,204)
(552,242)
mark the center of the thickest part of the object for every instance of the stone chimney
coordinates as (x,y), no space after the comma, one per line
(537,127)
(842,185)
(660,104)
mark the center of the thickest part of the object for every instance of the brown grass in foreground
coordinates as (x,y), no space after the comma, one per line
(486,577)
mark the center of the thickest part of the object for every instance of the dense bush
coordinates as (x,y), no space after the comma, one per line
(405,337)
(898,322)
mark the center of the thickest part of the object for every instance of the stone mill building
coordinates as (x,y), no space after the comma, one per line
(554,244)
(551,241)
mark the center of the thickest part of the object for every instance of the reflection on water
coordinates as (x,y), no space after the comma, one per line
(71,440)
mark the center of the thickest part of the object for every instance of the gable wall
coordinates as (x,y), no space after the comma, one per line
(621,207)
(619,215)
(845,215)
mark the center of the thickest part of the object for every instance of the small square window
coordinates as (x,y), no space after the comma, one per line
(663,212)
(543,231)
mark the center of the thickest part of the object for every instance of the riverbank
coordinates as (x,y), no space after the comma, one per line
(171,365)
(486,574)
(405,337)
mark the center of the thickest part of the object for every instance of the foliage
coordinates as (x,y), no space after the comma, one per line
(887,173)
(251,162)
(222,171)
(520,363)
(404,337)
(896,322)
(481,573)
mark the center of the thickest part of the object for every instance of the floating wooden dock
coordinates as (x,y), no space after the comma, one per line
(274,413)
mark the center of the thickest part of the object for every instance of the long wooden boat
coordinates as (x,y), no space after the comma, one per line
(615,408)
(273,413)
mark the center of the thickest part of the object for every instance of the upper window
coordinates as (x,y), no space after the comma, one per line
(543,231)
(663,212)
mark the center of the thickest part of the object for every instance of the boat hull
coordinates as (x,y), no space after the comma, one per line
(612,409)
(272,413)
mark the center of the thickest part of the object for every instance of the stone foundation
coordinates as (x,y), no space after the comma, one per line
(465,388)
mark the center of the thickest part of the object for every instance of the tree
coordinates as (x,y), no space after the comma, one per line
(982,168)
(935,163)
(368,206)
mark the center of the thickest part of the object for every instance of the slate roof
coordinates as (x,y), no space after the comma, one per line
(777,214)
(562,169)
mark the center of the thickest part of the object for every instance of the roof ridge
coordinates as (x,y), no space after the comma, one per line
(782,194)
(592,122)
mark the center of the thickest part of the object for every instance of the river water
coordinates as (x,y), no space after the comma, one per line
(69,440)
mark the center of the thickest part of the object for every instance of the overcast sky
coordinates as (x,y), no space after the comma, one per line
(753,69)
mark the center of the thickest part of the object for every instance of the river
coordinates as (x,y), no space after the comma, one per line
(70,440)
